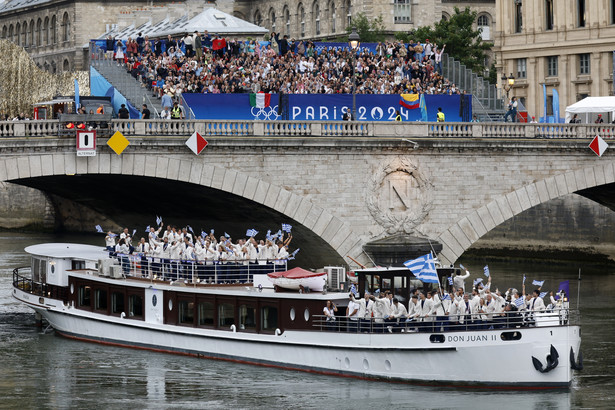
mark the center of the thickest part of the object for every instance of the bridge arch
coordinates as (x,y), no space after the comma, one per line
(196,171)
(467,230)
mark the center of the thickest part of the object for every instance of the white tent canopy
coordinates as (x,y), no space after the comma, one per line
(588,109)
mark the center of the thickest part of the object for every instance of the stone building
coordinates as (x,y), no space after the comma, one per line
(566,45)
(327,19)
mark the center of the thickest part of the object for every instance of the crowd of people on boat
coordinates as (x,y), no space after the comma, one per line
(180,253)
(210,64)
(439,310)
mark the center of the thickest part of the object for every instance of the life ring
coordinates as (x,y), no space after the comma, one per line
(552,361)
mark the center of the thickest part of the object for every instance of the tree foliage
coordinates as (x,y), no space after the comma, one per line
(368,31)
(463,42)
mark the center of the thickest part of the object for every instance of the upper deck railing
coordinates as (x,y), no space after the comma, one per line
(269,129)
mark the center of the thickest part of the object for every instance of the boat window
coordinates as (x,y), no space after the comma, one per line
(77,265)
(100,299)
(292,314)
(269,318)
(510,336)
(186,312)
(226,314)
(306,314)
(85,294)
(135,306)
(39,270)
(206,314)
(436,338)
(117,302)
(247,317)
(386,284)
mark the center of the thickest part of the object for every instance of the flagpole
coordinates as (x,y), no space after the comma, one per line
(579,290)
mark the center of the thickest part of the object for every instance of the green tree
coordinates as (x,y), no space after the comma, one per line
(369,32)
(463,42)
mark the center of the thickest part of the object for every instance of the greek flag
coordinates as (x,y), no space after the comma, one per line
(462,267)
(538,282)
(251,233)
(542,295)
(446,297)
(112,235)
(158,220)
(292,255)
(423,268)
(134,231)
(269,237)
(286,228)
(190,229)
(147,229)
(450,280)
(203,234)
(519,302)
(226,235)
(99,229)
(353,290)
(486,270)
(212,231)
(477,281)
(524,279)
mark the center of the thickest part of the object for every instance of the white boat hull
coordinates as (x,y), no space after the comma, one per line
(465,357)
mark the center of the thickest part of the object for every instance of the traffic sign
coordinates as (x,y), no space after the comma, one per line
(196,143)
(86,143)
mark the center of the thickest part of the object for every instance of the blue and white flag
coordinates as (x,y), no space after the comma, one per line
(450,280)
(478,281)
(519,302)
(112,235)
(147,229)
(134,231)
(203,234)
(462,267)
(524,279)
(212,231)
(542,295)
(286,227)
(353,290)
(486,270)
(292,255)
(99,229)
(278,234)
(269,237)
(423,268)
(538,282)
(446,297)
(190,229)
(158,220)
(251,233)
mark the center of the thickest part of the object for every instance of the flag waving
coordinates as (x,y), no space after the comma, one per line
(99,229)
(486,270)
(260,100)
(409,101)
(423,268)
(538,282)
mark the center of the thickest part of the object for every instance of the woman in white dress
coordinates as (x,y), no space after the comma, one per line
(119,52)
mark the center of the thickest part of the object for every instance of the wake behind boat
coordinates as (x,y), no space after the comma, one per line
(216,312)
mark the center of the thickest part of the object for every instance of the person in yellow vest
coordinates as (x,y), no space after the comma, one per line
(440,115)
(397,116)
(176,112)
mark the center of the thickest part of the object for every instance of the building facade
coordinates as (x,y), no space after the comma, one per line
(566,45)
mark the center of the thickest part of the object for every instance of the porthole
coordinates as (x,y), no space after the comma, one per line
(170,304)
(72,288)
(387,365)
(53,268)
(436,338)
(510,336)
(347,363)
(292,314)
(365,364)
(306,314)
(155,300)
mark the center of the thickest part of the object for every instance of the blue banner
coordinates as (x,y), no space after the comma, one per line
(100,87)
(322,107)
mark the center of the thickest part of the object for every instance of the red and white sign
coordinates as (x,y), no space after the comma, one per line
(196,143)
(86,143)
(598,145)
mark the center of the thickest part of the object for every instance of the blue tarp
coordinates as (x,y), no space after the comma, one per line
(322,107)
(100,87)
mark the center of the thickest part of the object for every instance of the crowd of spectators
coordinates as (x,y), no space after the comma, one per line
(210,64)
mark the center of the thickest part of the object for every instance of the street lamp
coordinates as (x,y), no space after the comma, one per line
(509,82)
(354,41)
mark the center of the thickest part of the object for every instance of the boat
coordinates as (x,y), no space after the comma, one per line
(297,278)
(209,311)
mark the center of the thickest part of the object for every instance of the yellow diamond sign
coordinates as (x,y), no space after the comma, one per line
(118,142)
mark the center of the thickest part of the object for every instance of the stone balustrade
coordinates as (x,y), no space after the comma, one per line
(53,128)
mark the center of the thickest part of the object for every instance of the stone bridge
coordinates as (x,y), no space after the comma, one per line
(341,185)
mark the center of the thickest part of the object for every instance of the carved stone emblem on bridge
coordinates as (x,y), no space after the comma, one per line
(399,197)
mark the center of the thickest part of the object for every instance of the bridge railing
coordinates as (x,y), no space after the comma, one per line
(243,128)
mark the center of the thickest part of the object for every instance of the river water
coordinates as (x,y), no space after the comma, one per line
(47,371)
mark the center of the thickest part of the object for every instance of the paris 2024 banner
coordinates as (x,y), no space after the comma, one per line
(326,107)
